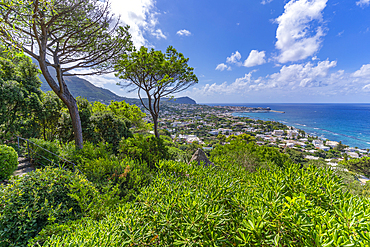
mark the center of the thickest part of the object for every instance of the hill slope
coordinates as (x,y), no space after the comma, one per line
(81,87)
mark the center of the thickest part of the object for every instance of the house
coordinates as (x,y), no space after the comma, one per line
(292,134)
(317,143)
(302,144)
(260,136)
(310,157)
(322,147)
(290,144)
(353,155)
(332,144)
(278,132)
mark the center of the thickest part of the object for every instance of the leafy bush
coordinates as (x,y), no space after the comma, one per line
(127,175)
(358,165)
(110,128)
(42,197)
(89,152)
(42,157)
(8,161)
(228,206)
(249,155)
(147,149)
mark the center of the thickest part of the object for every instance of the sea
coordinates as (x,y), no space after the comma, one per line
(349,123)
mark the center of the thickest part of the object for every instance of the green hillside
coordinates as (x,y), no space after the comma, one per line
(81,87)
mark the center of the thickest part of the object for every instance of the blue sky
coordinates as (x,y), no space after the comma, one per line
(265,51)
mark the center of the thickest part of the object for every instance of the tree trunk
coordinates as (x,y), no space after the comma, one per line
(64,94)
(76,121)
(155,121)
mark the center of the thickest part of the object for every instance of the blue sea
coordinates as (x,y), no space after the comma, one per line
(349,123)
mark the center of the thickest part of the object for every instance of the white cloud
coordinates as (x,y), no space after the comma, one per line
(366,88)
(363,3)
(141,16)
(222,67)
(363,72)
(159,34)
(239,86)
(305,75)
(183,32)
(289,78)
(234,58)
(255,58)
(266,1)
(296,37)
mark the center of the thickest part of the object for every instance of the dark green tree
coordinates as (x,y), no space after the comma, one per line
(65,35)
(156,75)
(19,95)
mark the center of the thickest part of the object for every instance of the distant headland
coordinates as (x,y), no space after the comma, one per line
(249,109)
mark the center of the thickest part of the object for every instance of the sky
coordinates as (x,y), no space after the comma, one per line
(258,51)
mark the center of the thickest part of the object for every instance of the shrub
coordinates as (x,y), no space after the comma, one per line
(41,197)
(228,206)
(358,165)
(147,149)
(42,157)
(110,128)
(8,161)
(249,155)
(127,175)
(89,152)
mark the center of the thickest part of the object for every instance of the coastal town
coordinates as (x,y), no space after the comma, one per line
(207,126)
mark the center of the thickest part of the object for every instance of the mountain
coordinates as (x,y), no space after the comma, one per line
(81,87)
(182,100)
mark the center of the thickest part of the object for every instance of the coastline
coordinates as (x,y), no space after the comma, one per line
(347,123)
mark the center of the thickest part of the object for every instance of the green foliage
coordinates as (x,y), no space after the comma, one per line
(42,197)
(156,74)
(148,149)
(228,206)
(89,152)
(109,128)
(127,175)
(19,95)
(123,110)
(295,155)
(8,161)
(41,156)
(49,115)
(358,165)
(249,155)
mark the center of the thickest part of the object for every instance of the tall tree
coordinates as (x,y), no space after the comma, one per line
(20,94)
(65,35)
(156,75)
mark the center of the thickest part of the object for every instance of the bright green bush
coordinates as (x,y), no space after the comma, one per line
(89,152)
(147,149)
(226,205)
(110,128)
(42,197)
(127,175)
(248,154)
(8,161)
(358,165)
(42,157)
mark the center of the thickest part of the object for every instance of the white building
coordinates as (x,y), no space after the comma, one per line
(278,132)
(322,147)
(332,144)
(353,155)
(292,133)
(317,143)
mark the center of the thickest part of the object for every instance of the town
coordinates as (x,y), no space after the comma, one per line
(210,125)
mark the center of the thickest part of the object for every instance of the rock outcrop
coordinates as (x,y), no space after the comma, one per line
(201,158)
